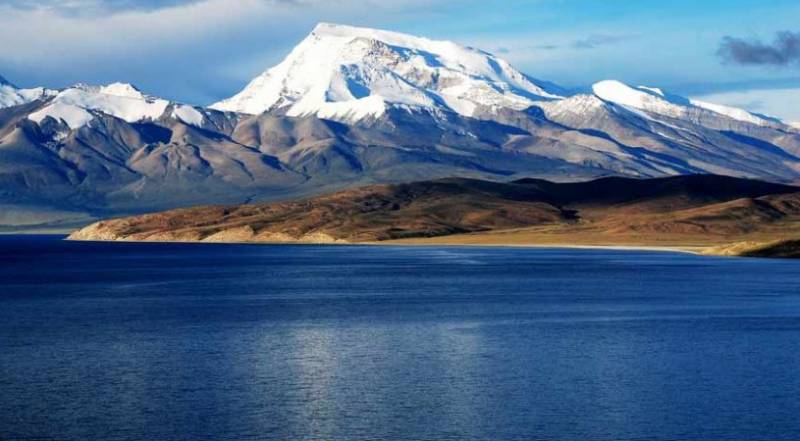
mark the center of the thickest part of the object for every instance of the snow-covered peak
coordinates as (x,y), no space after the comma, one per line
(574,106)
(334,30)
(643,98)
(74,105)
(655,100)
(348,73)
(124,90)
(11,95)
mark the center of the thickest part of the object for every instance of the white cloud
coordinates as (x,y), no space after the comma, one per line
(44,35)
(39,34)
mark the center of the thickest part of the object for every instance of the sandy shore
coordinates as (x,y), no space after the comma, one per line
(443,241)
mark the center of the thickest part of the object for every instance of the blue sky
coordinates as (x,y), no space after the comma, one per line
(203,50)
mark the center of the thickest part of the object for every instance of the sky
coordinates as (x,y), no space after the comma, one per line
(738,52)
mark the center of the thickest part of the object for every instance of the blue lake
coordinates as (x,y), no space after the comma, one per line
(103,341)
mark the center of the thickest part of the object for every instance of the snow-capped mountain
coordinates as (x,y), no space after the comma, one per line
(97,150)
(10,95)
(349,73)
(77,106)
(350,106)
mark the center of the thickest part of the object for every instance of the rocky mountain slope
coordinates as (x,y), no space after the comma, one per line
(354,106)
(701,209)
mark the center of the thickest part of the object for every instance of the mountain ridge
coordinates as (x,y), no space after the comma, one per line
(374,112)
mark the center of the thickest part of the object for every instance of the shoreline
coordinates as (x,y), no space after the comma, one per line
(775,248)
(684,249)
(697,250)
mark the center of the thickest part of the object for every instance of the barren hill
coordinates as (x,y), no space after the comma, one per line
(688,210)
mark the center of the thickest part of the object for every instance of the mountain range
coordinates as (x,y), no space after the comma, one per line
(352,106)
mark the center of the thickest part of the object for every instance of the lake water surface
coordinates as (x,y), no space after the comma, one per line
(104,341)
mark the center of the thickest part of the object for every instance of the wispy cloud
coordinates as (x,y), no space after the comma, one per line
(592,41)
(783,51)
(595,40)
(111,7)
(93,7)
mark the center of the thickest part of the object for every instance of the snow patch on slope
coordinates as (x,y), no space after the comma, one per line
(654,100)
(345,72)
(188,114)
(354,110)
(731,112)
(73,116)
(573,107)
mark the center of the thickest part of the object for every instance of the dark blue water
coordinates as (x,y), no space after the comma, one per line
(218,342)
